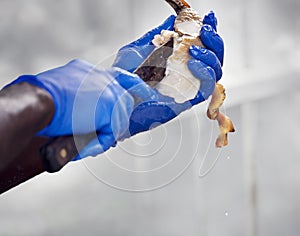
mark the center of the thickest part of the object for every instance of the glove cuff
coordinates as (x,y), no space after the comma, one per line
(54,81)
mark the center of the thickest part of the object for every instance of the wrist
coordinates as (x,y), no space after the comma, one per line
(46,107)
(30,105)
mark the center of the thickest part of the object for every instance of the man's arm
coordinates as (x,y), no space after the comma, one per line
(24,110)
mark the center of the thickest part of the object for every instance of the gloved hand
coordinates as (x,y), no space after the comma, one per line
(209,59)
(205,64)
(88,99)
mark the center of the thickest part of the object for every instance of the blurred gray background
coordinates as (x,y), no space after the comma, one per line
(253,187)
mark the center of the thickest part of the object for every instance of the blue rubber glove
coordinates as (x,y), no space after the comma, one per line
(88,99)
(205,65)
(207,62)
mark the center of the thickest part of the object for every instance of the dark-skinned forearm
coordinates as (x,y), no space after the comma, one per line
(24,110)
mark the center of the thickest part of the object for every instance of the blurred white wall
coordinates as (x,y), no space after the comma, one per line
(254,187)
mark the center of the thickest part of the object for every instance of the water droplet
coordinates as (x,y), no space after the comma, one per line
(229,157)
(226,213)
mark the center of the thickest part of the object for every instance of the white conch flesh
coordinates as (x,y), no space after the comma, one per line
(179,83)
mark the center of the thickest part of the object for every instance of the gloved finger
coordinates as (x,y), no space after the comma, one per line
(212,41)
(168,24)
(210,19)
(133,84)
(207,57)
(206,74)
(132,55)
(97,146)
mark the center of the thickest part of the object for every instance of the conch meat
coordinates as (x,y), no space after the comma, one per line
(166,67)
